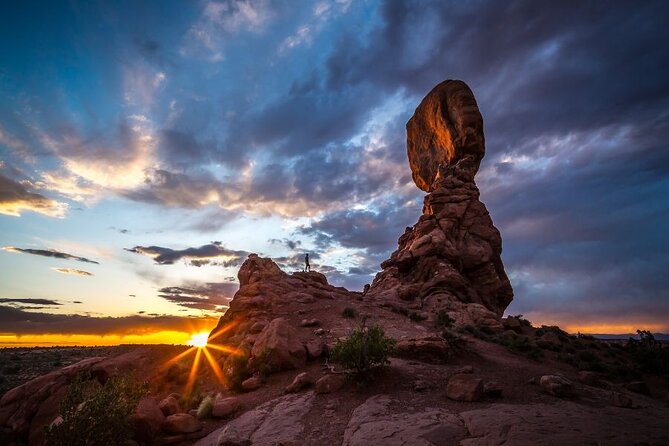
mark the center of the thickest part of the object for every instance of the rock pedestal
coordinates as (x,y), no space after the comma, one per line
(450,260)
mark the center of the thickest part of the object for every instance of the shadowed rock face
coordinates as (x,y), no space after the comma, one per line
(450,259)
(445,129)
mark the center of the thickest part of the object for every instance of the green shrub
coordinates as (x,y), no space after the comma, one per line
(94,414)
(363,350)
(443,320)
(348,313)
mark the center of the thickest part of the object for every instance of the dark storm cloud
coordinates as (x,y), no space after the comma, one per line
(15,321)
(214,253)
(209,296)
(593,238)
(30,300)
(48,253)
(375,231)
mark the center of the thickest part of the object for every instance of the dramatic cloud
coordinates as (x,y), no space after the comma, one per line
(76,272)
(214,253)
(292,114)
(48,253)
(30,300)
(209,296)
(15,321)
(15,198)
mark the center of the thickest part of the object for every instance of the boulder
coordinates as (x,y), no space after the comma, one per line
(275,422)
(256,269)
(180,423)
(330,383)
(464,387)
(224,407)
(310,322)
(169,406)
(557,385)
(251,384)
(301,381)
(279,345)
(147,420)
(430,349)
(315,348)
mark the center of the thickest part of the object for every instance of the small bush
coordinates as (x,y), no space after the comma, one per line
(95,414)
(454,340)
(348,313)
(192,397)
(205,407)
(648,353)
(417,317)
(363,350)
(443,320)
(238,371)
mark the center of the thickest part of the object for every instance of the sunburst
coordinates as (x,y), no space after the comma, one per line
(201,343)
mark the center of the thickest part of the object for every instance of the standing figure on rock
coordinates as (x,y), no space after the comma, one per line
(307,267)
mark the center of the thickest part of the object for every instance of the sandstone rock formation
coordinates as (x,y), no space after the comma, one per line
(450,259)
(252,328)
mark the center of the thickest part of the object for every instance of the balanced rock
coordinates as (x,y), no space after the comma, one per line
(451,258)
(447,127)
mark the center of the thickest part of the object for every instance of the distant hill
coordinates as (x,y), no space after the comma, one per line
(658,336)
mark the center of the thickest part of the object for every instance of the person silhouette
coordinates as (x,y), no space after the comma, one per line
(307,267)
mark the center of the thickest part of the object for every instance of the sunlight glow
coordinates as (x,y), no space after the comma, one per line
(200,343)
(198,340)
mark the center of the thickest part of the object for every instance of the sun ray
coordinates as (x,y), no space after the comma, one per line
(193,371)
(214,366)
(222,330)
(179,357)
(225,348)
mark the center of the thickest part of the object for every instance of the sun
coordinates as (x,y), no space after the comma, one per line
(198,340)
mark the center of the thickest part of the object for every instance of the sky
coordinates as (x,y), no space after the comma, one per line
(146,147)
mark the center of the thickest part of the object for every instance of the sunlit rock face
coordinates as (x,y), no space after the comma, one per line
(263,323)
(450,259)
(446,129)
